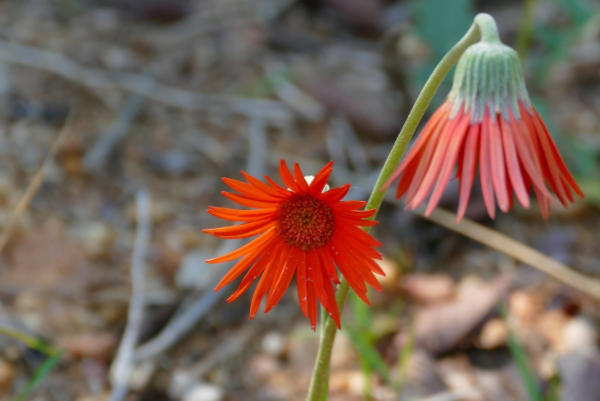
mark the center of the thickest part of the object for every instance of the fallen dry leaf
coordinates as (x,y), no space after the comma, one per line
(439,328)
(428,288)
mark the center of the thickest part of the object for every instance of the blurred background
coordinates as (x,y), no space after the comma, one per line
(165,97)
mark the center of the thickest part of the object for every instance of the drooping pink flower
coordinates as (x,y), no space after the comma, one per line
(487,123)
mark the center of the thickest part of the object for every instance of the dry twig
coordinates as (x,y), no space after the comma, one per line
(231,347)
(178,326)
(35,184)
(97,80)
(123,364)
(96,159)
(517,250)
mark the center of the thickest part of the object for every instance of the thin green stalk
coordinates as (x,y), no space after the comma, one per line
(486,26)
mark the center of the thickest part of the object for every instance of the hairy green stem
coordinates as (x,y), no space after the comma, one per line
(484,26)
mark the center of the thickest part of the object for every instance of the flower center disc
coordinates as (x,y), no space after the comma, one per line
(305,222)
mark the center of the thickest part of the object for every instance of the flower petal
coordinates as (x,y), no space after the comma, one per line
(469,168)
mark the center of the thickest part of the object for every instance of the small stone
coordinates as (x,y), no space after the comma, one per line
(580,336)
(525,307)
(204,392)
(389,282)
(493,334)
(273,343)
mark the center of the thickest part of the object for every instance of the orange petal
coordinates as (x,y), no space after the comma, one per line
(241,231)
(262,186)
(241,215)
(249,247)
(299,176)
(287,177)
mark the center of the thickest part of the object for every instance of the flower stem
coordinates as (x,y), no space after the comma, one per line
(485,26)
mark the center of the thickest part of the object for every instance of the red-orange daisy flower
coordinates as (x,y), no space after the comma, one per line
(304,231)
(487,119)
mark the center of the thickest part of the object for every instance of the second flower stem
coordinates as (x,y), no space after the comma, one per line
(484,23)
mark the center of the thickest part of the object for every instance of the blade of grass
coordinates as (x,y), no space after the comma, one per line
(554,390)
(404,357)
(30,341)
(368,353)
(522,360)
(40,374)
(367,372)
(363,318)
(34,343)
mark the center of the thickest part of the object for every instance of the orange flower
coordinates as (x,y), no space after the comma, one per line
(488,120)
(304,231)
